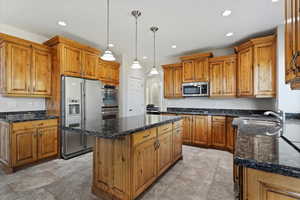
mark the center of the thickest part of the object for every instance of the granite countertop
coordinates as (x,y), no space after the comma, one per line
(272,154)
(14,117)
(114,128)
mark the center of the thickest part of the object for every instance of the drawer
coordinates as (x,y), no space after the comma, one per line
(143,136)
(178,124)
(219,118)
(178,130)
(33,124)
(164,128)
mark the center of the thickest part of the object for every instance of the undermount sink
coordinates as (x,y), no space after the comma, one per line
(260,126)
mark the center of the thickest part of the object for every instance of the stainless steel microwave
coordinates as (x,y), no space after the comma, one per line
(198,89)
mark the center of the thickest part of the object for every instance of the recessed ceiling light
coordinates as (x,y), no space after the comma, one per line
(145,57)
(111,45)
(226,13)
(174,46)
(229,34)
(62,23)
(275,1)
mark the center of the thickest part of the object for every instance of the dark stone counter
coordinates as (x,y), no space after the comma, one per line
(14,117)
(114,128)
(275,154)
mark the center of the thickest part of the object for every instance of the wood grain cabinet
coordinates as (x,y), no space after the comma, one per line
(230,134)
(292,43)
(260,185)
(223,76)
(195,67)
(108,72)
(187,134)
(172,80)
(165,150)
(200,130)
(218,132)
(256,72)
(26,142)
(25,68)
(177,143)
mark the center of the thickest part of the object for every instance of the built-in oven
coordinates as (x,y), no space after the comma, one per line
(110,104)
(197,89)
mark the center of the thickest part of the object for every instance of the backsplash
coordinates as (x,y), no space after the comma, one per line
(13,104)
(236,103)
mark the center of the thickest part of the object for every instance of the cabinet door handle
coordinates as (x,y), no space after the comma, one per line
(145,136)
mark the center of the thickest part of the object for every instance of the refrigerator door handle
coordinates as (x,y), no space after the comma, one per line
(82,143)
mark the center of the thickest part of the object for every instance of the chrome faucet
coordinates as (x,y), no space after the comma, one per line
(280,115)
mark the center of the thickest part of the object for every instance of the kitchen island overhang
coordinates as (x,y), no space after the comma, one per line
(130,153)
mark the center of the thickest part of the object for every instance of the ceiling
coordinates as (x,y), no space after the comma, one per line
(192,25)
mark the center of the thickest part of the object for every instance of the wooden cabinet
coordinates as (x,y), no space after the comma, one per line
(47,142)
(90,62)
(216,79)
(25,68)
(200,130)
(229,76)
(218,131)
(71,61)
(230,134)
(292,43)
(260,185)
(144,166)
(177,143)
(195,67)
(165,151)
(172,80)
(26,142)
(108,72)
(256,72)
(187,129)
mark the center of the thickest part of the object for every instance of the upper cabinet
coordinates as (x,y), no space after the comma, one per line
(173,80)
(256,72)
(73,58)
(108,72)
(195,67)
(223,76)
(292,43)
(25,68)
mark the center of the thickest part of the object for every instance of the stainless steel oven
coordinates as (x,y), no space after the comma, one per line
(110,103)
(197,89)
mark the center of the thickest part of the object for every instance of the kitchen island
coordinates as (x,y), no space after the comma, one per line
(267,160)
(130,153)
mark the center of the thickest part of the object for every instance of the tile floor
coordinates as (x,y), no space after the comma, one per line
(203,174)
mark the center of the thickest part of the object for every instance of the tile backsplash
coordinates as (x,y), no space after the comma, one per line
(13,104)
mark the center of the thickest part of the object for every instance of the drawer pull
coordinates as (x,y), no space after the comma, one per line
(145,136)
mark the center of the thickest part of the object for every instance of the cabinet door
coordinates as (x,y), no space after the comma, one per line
(200,130)
(177,143)
(230,134)
(177,77)
(115,74)
(101,71)
(41,72)
(188,71)
(72,61)
(168,83)
(90,62)
(5,143)
(24,147)
(144,166)
(47,142)
(229,78)
(187,129)
(201,70)
(18,70)
(216,79)
(165,151)
(265,70)
(245,72)
(218,132)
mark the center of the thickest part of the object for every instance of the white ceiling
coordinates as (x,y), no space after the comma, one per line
(192,25)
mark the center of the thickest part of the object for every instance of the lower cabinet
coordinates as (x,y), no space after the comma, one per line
(177,143)
(230,134)
(30,142)
(187,129)
(165,150)
(218,132)
(260,185)
(200,130)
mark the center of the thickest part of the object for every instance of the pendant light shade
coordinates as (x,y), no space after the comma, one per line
(136,64)
(108,55)
(154,70)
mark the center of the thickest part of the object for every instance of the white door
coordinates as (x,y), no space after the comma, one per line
(136,97)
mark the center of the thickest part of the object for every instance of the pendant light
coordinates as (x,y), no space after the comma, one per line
(154,71)
(108,55)
(136,64)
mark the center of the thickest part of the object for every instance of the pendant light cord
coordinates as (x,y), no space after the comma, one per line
(136,36)
(154,55)
(107,24)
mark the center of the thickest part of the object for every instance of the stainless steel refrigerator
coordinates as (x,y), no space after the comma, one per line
(81,109)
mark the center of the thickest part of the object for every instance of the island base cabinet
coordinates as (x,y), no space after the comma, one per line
(125,167)
(260,185)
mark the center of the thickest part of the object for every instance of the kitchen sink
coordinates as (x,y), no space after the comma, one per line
(259,126)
